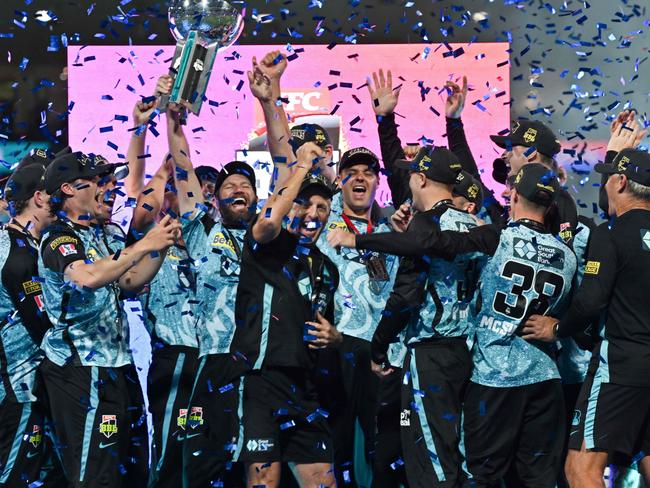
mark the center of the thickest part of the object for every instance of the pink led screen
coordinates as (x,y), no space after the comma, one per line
(321,84)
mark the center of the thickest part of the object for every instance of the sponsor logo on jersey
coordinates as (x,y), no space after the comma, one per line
(92,255)
(196,417)
(181,420)
(566,233)
(63,240)
(108,425)
(221,241)
(67,249)
(260,445)
(539,253)
(36,437)
(339,224)
(39,303)
(405,418)
(31,287)
(592,267)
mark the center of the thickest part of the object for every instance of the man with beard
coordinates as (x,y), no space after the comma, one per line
(24,448)
(89,380)
(210,421)
(284,314)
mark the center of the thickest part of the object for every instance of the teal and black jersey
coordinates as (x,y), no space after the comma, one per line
(169,304)
(216,252)
(529,272)
(23,320)
(432,297)
(362,293)
(89,326)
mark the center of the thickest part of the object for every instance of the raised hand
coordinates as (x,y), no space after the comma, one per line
(455,99)
(384,98)
(260,84)
(621,119)
(628,136)
(273,65)
(164,234)
(308,153)
(142,112)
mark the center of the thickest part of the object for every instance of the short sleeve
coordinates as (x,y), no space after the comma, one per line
(60,249)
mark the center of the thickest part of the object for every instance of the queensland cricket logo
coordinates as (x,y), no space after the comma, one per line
(108,425)
(530,135)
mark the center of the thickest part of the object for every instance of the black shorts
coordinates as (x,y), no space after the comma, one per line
(283,420)
(514,434)
(436,376)
(213,425)
(611,418)
(169,385)
(99,424)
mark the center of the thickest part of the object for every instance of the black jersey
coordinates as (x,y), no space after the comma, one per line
(281,285)
(618,264)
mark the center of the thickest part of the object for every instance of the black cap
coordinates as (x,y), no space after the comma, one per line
(467,186)
(235,168)
(537,184)
(118,170)
(530,134)
(70,167)
(632,163)
(317,183)
(24,182)
(208,173)
(437,164)
(359,155)
(303,133)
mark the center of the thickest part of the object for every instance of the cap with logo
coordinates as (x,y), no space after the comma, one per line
(206,173)
(437,164)
(235,168)
(468,187)
(537,184)
(360,155)
(118,170)
(632,163)
(24,182)
(317,183)
(300,134)
(70,167)
(530,133)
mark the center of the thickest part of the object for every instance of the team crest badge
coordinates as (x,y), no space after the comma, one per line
(196,417)
(530,135)
(108,425)
(181,420)
(36,437)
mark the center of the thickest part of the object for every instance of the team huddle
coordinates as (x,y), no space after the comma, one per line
(457,342)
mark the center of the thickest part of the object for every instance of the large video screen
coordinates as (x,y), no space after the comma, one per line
(322,84)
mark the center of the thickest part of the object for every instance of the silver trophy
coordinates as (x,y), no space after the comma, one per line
(201,29)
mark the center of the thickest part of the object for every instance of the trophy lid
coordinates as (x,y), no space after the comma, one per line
(215,20)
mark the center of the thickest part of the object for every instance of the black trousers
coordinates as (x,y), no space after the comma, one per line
(99,424)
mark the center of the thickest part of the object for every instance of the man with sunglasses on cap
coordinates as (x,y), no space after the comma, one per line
(90,383)
(209,421)
(25,450)
(284,314)
(436,334)
(527,271)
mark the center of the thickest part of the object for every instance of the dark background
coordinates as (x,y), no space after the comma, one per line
(574,64)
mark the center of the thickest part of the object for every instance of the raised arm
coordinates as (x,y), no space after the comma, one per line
(150,200)
(269,224)
(264,80)
(384,99)
(188,186)
(135,154)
